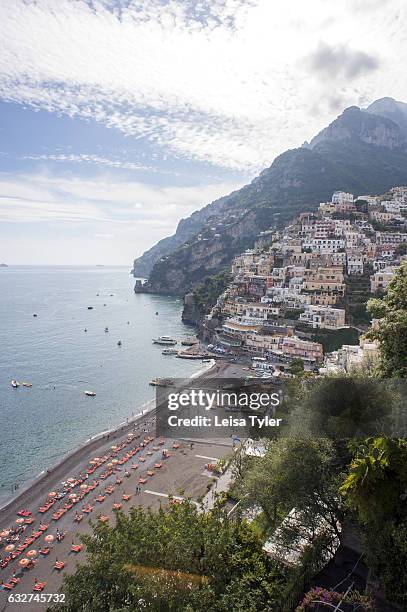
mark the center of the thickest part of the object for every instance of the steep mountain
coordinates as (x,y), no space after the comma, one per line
(392,109)
(359,152)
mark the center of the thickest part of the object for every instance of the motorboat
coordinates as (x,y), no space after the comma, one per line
(106,329)
(90,393)
(27,384)
(169,351)
(161,382)
(90,307)
(165,340)
(189,341)
(15,383)
(119,343)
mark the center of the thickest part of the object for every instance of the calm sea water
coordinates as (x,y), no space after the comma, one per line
(53,352)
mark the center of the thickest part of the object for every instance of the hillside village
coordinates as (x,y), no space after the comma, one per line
(302,291)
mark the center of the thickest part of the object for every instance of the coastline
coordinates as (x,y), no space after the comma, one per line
(35,489)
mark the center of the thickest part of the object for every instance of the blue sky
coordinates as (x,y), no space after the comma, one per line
(120,117)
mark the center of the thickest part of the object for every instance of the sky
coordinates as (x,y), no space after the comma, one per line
(120,117)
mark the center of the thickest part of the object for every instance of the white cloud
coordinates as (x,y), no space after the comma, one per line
(90,159)
(103,202)
(233,88)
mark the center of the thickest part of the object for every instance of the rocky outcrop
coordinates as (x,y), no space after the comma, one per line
(192,314)
(363,126)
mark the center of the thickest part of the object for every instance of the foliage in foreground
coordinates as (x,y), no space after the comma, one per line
(175,559)
(391,333)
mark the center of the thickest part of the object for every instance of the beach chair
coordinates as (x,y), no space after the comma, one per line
(158,465)
(142,459)
(59,565)
(142,480)
(126,497)
(76,548)
(39,586)
(135,466)
(150,473)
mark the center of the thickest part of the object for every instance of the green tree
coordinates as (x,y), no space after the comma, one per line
(170,560)
(391,331)
(297,474)
(376,488)
(297,367)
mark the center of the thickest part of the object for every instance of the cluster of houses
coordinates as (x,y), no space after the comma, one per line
(296,280)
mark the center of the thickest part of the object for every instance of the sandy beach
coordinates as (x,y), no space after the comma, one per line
(184,470)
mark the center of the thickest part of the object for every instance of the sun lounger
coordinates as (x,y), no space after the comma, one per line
(126,497)
(142,480)
(39,586)
(59,565)
(76,548)
(117,506)
(142,459)
(150,473)
(44,551)
(135,466)
(158,465)
(175,445)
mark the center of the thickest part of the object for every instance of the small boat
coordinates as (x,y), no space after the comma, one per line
(189,341)
(90,393)
(27,384)
(35,314)
(156,312)
(165,340)
(85,329)
(169,351)
(15,383)
(182,355)
(106,329)
(119,343)
(161,382)
(90,307)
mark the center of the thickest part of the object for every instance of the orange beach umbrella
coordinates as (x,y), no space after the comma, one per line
(32,553)
(23,562)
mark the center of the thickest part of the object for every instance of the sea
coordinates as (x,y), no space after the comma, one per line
(53,352)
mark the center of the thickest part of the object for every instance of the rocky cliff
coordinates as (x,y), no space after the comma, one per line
(359,152)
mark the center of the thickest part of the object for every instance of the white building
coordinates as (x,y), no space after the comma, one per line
(323,317)
(354,263)
(341,197)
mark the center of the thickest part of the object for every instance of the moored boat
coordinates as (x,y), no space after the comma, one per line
(15,383)
(90,393)
(169,351)
(189,341)
(165,340)
(161,382)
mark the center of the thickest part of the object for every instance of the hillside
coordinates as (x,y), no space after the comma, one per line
(358,152)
